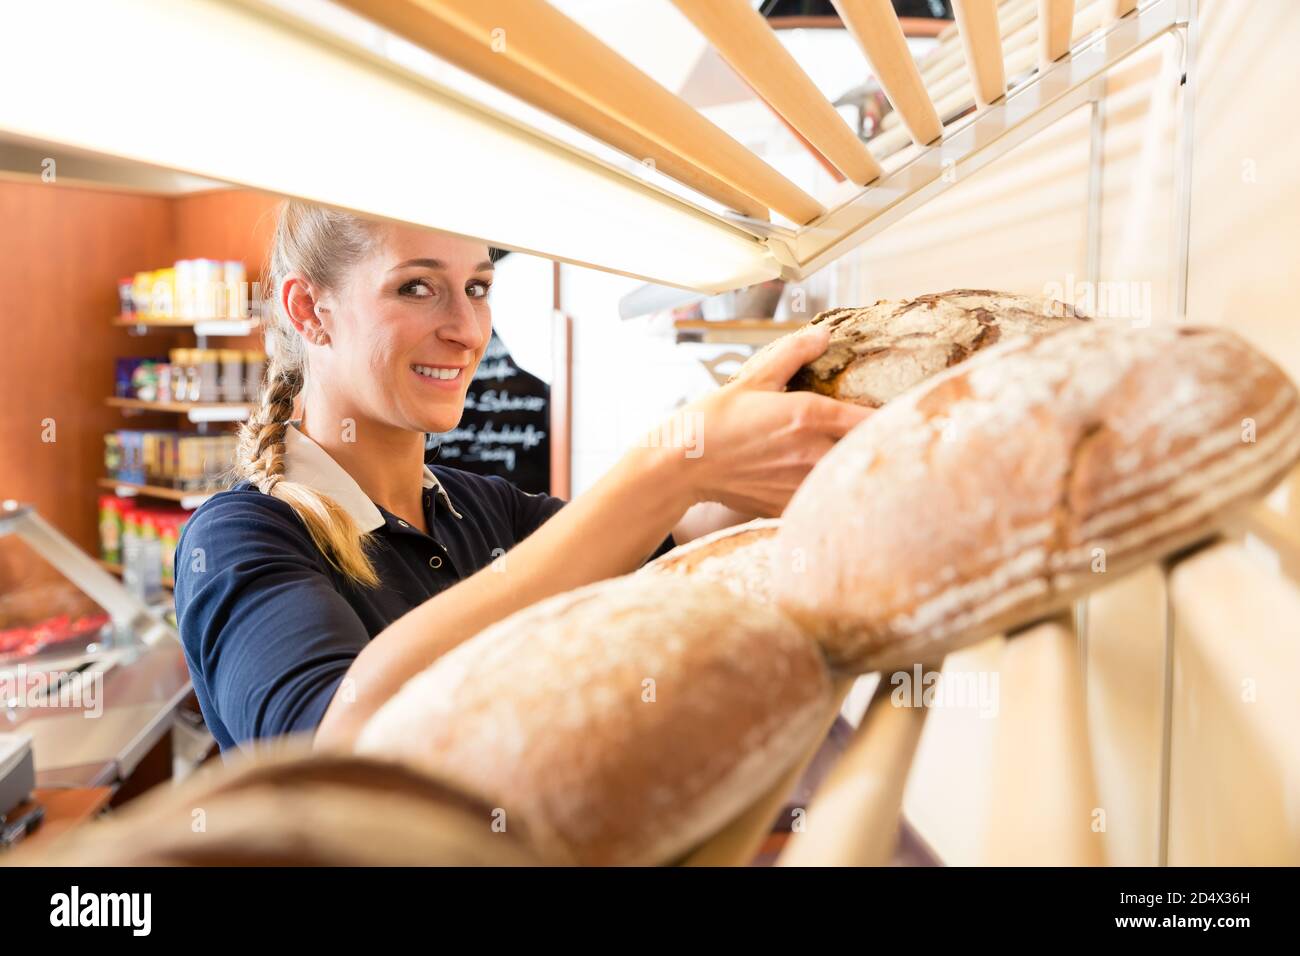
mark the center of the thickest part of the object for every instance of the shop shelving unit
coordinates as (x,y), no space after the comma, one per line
(202,414)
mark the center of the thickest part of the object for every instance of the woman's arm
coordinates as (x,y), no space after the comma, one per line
(747,446)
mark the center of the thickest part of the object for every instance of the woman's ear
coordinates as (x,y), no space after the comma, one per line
(306,313)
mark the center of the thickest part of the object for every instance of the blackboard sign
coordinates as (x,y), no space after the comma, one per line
(506,426)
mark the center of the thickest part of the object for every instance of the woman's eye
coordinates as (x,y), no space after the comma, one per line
(416,287)
(478,290)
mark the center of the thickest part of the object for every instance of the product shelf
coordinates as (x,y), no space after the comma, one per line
(200,326)
(113,568)
(197,412)
(126,489)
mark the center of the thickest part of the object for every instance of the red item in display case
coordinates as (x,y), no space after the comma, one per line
(25,641)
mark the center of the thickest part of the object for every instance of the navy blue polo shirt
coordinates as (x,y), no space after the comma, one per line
(270,629)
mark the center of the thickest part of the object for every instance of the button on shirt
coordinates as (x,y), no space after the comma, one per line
(270,628)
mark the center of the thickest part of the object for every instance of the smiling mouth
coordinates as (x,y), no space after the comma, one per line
(437,373)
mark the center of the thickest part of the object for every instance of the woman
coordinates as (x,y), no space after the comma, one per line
(340,565)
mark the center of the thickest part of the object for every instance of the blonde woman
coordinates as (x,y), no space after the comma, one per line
(340,565)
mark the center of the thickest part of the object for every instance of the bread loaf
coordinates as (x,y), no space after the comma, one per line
(880,351)
(622,722)
(1005,487)
(294,809)
(739,558)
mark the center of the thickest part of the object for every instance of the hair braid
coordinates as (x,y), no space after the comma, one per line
(319,244)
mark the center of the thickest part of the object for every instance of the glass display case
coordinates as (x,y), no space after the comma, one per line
(91,674)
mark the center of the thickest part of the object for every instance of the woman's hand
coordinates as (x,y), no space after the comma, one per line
(752,443)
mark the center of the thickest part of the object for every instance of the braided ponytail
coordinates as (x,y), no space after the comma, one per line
(317,243)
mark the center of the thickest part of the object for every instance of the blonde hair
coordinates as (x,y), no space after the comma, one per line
(319,244)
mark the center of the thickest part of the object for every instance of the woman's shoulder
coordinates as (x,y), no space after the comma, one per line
(241,510)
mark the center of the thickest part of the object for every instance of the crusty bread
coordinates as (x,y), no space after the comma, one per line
(879,351)
(1004,487)
(623,722)
(294,808)
(738,558)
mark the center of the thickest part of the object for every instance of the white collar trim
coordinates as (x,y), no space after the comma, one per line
(308,463)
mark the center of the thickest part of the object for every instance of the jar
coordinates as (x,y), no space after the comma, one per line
(162,304)
(233,275)
(184,272)
(209,377)
(254,372)
(209,293)
(232,375)
(164,388)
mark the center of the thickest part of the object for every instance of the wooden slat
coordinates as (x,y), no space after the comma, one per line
(853,819)
(1055,25)
(534,52)
(954,97)
(1017,28)
(947,57)
(1235,710)
(1121,8)
(743,38)
(740,841)
(1044,794)
(876,28)
(978,22)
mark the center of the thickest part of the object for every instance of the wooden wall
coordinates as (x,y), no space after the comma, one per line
(62,250)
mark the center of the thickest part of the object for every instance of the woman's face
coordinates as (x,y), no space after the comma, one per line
(407,328)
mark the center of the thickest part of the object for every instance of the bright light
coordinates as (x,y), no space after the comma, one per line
(235,92)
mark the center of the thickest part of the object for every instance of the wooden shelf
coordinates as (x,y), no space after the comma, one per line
(732,331)
(126,489)
(215,326)
(195,411)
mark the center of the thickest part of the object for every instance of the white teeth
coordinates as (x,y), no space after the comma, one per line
(446,374)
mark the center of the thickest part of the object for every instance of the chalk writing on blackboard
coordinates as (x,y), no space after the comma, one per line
(505,429)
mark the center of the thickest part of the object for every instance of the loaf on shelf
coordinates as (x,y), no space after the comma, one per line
(295,808)
(623,722)
(1005,487)
(879,351)
(738,558)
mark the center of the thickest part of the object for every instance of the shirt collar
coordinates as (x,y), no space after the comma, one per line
(308,463)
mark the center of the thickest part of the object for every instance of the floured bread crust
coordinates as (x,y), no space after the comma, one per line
(1005,487)
(739,558)
(879,351)
(622,722)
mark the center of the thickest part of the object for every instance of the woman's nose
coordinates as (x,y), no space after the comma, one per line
(460,324)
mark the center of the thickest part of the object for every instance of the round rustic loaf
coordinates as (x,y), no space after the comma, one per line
(879,351)
(623,722)
(1005,487)
(294,809)
(739,558)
